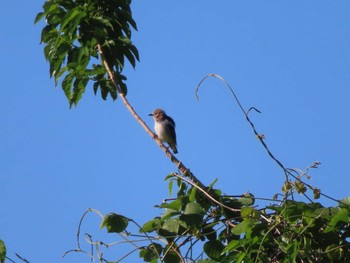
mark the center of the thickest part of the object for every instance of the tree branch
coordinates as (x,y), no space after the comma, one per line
(183,169)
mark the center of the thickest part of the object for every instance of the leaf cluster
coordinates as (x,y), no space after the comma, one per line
(74,30)
(194,229)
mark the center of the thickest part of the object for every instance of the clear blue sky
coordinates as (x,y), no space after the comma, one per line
(289,59)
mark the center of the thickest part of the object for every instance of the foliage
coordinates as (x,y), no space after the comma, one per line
(200,224)
(72,35)
(2,251)
(194,229)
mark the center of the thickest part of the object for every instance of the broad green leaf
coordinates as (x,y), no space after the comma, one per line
(214,249)
(241,228)
(233,244)
(114,223)
(175,205)
(170,228)
(151,225)
(247,199)
(193,208)
(341,216)
(170,213)
(2,251)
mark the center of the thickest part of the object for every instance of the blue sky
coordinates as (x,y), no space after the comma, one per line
(289,59)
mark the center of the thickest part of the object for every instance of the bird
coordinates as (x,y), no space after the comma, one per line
(164,127)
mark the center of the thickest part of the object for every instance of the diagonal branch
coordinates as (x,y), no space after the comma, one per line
(183,169)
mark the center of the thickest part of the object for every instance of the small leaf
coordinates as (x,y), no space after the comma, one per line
(241,228)
(250,213)
(247,199)
(38,17)
(287,186)
(2,251)
(151,225)
(213,249)
(170,187)
(213,183)
(152,252)
(114,223)
(192,196)
(175,205)
(341,216)
(70,15)
(67,84)
(300,187)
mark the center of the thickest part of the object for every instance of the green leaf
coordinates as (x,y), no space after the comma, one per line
(232,245)
(293,211)
(172,257)
(247,199)
(193,214)
(67,84)
(2,251)
(213,183)
(192,196)
(170,228)
(114,223)
(130,56)
(214,249)
(170,187)
(175,205)
(193,208)
(242,227)
(250,213)
(70,15)
(151,225)
(38,17)
(78,90)
(152,252)
(341,217)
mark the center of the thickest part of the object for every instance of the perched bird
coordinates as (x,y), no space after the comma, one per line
(164,127)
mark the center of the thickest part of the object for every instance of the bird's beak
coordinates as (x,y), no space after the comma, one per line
(151,114)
